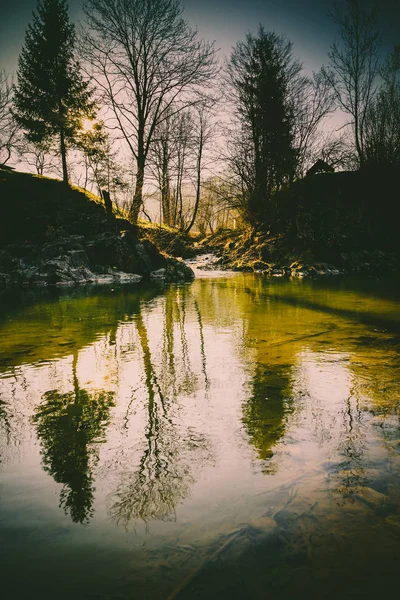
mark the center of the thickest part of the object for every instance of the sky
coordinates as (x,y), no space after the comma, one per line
(304,22)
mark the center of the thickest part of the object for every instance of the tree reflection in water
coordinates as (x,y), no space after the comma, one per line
(164,475)
(69,427)
(5,420)
(202,346)
(265,411)
(5,430)
(281,328)
(163,343)
(351,473)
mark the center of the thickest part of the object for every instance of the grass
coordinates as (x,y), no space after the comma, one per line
(34,208)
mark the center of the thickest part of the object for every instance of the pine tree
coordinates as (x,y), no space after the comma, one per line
(51,97)
(264,77)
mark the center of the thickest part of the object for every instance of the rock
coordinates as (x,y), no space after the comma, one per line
(110,249)
(263,524)
(371,498)
(5,279)
(103,258)
(294,510)
(178,271)
(121,277)
(159,274)
(260,266)
(28,275)
(144,259)
(77,258)
(62,270)
(375,500)
(60,246)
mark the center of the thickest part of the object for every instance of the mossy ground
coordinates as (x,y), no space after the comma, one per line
(169,240)
(249,249)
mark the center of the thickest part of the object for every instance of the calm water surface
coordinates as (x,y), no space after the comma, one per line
(237,437)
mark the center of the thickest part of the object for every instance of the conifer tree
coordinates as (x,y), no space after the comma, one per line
(264,79)
(51,97)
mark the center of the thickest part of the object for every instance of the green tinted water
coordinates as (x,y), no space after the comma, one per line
(233,438)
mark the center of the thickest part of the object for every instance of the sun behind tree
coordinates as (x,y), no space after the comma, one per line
(51,97)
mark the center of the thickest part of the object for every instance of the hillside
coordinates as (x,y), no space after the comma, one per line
(53,234)
(345,221)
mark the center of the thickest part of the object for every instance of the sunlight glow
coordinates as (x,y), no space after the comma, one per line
(87,125)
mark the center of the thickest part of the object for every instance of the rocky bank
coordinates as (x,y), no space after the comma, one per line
(51,234)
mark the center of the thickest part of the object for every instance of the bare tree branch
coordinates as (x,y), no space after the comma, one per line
(146,59)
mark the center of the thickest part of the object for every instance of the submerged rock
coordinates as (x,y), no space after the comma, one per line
(376,501)
(159,274)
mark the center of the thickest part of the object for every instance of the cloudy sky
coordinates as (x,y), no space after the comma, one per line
(305,23)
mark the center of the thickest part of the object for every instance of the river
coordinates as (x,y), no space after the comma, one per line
(236,437)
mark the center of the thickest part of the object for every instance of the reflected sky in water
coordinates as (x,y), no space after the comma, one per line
(146,431)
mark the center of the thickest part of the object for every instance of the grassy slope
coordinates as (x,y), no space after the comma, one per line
(167,239)
(36,209)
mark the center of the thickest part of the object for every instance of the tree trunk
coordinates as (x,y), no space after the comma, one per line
(107,202)
(138,195)
(196,205)
(63,155)
(166,198)
(357,139)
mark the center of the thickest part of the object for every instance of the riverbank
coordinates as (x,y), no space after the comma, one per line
(51,234)
(344,222)
(323,225)
(249,250)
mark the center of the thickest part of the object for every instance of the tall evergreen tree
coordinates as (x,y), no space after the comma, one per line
(264,79)
(51,97)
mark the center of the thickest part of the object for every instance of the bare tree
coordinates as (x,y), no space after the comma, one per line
(337,151)
(170,161)
(184,153)
(218,205)
(177,159)
(354,65)
(40,156)
(204,132)
(240,159)
(163,152)
(9,130)
(145,58)
(382,128)
(313,103)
